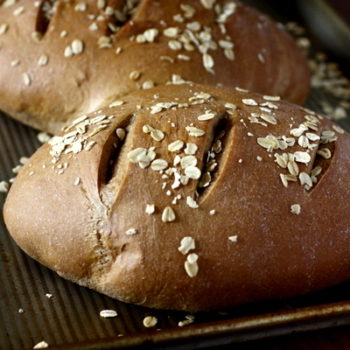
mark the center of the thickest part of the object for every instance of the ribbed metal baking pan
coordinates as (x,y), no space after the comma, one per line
(36,305)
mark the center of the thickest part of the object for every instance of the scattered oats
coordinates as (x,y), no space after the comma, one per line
(259,159)
(131,232)
(150,321)
(229,54)
(338,129)
(89,145)
(42,345)
(305,179)
(293,168)
(177,160)
(208,4)
(147,128)
(93,27)
(48,295)
(77,181)
(271,98)
(108,313)
(189,319)
(281,160)
(207,116)
(26,79)
(312,137)
(147,84)
(151,34)
(43,60)
(328,136)
(299,131)
(249,102)
(150,209)
(77,46)
(175,45)
(188,161)
(63,33)
(171,32)
(116,103)
(175,146)
(18,11)
(3,28)
(118,50)
(284,180)
(193,172)
(303,141)
(232,107)
(4,186)
(191,265)
(325,153)
(295,209)
(194,26)
(240,89)
(31,173)
(20,311)
(134,75)
(157,135)
(168,214)
(80,6)
(240,161)
(191,148)
(261,57)
(302,157)
(269,142)
(269,118)
(191,203)
(159,164)
(186,245)
(212,212)
(208,62)
(233,238)
(193,131)
(16,169)
(101,4)
(68,52)
(136,154)
(316,171)
(15,63)
(43,137)
(23,160)
(36,36)
(183,57)
(104,42)
(167,58)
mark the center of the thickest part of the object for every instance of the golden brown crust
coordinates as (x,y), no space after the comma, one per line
(47,93)
(79,205)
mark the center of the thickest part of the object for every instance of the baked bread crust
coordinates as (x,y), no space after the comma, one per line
(57,65)
(272,223)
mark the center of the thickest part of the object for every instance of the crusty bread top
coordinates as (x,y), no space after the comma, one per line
(177,195)
(60,59)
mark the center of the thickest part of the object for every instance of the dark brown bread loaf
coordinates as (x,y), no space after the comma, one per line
(60,59)
(180,194)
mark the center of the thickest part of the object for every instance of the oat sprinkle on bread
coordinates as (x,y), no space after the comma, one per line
(174,195)
(61,59)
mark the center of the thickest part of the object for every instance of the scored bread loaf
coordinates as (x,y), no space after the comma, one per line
(180,194)
(60,59)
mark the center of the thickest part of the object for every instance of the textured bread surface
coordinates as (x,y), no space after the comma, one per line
(60,59)
(180,194)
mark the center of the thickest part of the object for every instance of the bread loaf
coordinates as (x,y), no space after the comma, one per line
(179,194)
(61,59)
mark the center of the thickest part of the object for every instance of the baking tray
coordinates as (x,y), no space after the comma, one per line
(37,305)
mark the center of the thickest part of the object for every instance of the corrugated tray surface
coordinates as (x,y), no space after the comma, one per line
(69,319)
